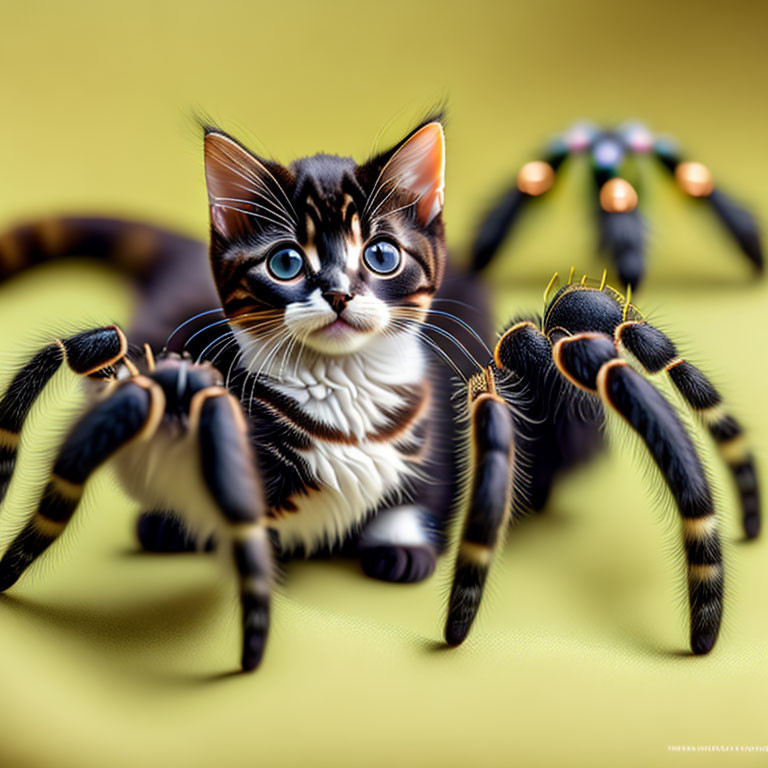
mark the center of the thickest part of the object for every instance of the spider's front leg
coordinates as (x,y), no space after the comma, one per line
(487,504)
(130,412)
(91,354)
(228,468)
(697,182)
(533,180)
(177,437)
(656,352)
(622,228)
(591,362)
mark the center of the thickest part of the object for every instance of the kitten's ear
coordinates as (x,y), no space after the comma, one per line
(235,180)
(417,167)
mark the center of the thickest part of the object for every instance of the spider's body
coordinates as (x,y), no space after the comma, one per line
(622,229)
(310,419)
(570,365)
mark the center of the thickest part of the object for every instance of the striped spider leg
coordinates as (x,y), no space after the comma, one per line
(622,230)
(179,442)
(573,355)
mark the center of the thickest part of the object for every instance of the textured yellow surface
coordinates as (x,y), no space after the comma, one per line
(578,657)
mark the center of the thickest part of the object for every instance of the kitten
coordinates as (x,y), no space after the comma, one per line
(326,271)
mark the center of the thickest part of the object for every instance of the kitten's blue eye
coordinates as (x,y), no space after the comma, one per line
(285,264)
(382,257)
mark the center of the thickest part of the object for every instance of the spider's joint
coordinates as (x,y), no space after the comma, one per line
(247,531)
(734,451)
(156,407)
(677,361)
(47,527)
(516,327)
(66,488)
(9,439)
(617,334)
(713,415)
(119,355)
(557,357)
(482,385)
(699,528)
(199,398)
(704,573)
(476,554)
(602,375)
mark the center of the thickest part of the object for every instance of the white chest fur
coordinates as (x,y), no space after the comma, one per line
(354,394)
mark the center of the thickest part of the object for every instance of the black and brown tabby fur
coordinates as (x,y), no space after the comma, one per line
(330,208)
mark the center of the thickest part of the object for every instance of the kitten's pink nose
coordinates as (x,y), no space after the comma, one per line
(337,299)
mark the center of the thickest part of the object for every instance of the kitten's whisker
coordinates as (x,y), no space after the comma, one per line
(442,353)
(448,335)
(259,180)
(456,301)
(233,340)
(468,328)
(389,194)
(276,222)
(228,345)
(269,208)
(191,320)
(286,335)
(218,339)
(240,319)
(401,208)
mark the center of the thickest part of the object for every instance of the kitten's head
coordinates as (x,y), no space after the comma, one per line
(332,253)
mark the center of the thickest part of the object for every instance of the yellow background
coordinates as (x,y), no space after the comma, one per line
(112,658)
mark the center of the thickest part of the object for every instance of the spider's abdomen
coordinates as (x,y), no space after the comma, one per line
(577,308)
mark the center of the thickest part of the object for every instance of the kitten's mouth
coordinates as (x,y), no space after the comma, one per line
(339,327)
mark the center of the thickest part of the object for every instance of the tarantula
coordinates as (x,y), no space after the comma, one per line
(622,229)
(577,352)
(176,413)
(308,419)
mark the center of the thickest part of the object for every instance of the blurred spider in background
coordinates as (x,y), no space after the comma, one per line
(622,230)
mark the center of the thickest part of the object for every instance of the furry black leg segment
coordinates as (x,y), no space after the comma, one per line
(87,354)
(499,221)
(229,469)
(487,512)
(654,419)
(656,352)
(92,441)
(622,238)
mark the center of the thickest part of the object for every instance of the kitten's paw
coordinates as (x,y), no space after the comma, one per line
(396,546)
(403,564)
(161,532)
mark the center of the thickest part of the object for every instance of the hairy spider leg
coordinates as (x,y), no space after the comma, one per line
(591,362)
(621,225)
(487,510)
(90,353)
(533,180)
(134,410)
(696,181)
(228,467)
(553,437)
(656,352)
